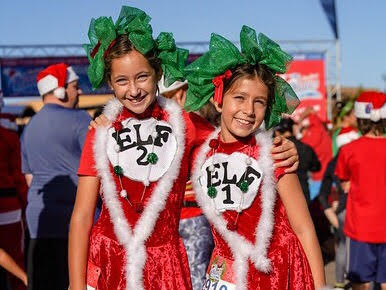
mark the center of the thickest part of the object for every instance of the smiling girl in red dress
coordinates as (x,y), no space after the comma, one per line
(263,240)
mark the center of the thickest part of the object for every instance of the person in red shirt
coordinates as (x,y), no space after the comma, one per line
(362,165)
(13,199)
(316,135)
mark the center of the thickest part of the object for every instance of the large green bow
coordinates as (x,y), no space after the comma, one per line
(265,51)
(136,24)
(101,33)
(222,55)
(173,59)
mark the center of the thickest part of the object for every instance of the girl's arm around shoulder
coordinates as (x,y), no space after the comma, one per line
(285,154)
(80,227)
(299,217)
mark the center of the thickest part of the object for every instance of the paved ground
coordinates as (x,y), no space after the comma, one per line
(330,273)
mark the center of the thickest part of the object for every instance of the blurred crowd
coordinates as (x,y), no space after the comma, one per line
(37,192)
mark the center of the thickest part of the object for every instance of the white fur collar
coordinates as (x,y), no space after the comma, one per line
(134,239)
(241,248)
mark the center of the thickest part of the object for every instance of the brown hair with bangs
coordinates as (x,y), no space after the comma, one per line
(254,71)
(123,46)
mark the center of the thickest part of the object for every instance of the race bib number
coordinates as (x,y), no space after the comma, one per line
(220,274)
(228,174)
(136,140)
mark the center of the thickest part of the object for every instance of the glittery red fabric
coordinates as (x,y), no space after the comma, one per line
(166,265)
(290,268)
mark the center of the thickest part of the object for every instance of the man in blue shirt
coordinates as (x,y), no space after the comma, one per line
(51,148)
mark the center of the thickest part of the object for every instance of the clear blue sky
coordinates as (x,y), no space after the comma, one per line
(362,25)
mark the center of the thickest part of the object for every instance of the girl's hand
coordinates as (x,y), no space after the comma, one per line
(100,121)
(285,151)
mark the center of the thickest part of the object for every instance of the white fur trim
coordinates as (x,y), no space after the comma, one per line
(60,93)
(47,84)
(375,115)
(383,112)
(174,86)
(71,75)
(343,139)
(241,248)
(364,110)
(133,240)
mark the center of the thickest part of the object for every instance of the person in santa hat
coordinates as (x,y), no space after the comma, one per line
(361,164)
(51,147)
(13,191)
(336,211)
(344,118)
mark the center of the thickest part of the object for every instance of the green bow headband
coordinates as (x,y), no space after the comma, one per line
(346,109)
(223,55)
(136,24)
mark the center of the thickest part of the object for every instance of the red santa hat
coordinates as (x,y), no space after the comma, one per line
(346,135)
(371,105)
(54,78)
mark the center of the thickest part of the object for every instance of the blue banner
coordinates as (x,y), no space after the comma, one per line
(329,9)
(18,76)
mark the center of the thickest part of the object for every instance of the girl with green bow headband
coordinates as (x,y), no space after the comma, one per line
(234,176)
(141,163)
(141,160)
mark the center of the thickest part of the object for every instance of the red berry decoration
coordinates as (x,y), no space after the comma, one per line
(213,143)
(231,226)
(138,207)
(157,114)
(117,126)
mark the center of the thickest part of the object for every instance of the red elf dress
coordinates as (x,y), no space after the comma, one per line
(135,242)
(255,246)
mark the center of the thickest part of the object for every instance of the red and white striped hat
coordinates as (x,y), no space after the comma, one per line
(371,105)
(54,78)
(346,135)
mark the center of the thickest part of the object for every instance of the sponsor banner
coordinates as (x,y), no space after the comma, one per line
(307,77)
(18,76)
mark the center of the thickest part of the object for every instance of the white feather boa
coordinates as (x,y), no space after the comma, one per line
(133,240)
(241,248)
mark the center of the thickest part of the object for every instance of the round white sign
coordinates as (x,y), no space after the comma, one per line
(228,172)
(135,142)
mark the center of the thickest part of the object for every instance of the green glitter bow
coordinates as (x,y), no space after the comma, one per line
(136,24)
(346,109)
(223,55)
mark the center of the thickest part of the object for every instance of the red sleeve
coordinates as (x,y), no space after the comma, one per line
(87,161)
(202,127)
(279,172)
(341,169)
